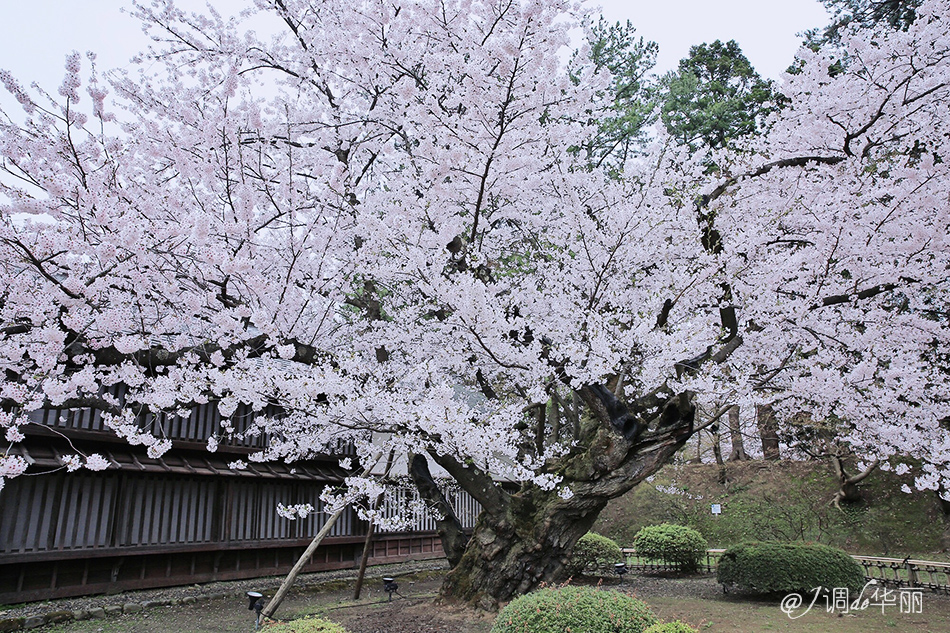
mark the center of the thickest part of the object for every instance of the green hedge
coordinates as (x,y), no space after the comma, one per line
(764,568)
(580,609)
(594,553)
(673,544)
(306,625)
(670,627)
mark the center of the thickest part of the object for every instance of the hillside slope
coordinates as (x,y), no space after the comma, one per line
(783,501)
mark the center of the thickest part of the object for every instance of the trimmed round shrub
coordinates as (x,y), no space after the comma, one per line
(673,544)
(763,568)
(306,625)
(670,627)
(574,609)
(594,553)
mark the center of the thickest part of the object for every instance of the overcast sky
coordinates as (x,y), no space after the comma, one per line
(36,35)
(767,30)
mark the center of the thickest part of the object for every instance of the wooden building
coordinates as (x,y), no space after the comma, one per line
(184,518)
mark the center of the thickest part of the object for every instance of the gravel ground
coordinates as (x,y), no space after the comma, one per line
(223,609)
(212,590)
(653,585)
(415,614)
(217,606)
(422,616)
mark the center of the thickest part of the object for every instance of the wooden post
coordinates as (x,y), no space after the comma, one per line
(370,531)
(274,603)
(911,573)
(301,562)
(364,560)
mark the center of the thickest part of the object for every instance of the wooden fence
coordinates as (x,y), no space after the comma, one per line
(403,501)
(893,572)
(63,535)
(907,572)
(188,516)
(636,562)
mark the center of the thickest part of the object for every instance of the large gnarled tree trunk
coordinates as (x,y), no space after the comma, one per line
(523,539)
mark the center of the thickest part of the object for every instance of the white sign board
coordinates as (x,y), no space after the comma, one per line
(716,508)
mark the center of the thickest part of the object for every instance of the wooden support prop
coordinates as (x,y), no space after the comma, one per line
(285,586)
(299,565)
(364,559)
(370,531)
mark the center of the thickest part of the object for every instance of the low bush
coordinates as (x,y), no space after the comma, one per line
(673,544)
(764,568)
(670,627)
(580,609)
(306,625)
(594,553)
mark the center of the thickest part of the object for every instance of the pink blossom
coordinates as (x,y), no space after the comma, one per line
(12,466)
(402,239)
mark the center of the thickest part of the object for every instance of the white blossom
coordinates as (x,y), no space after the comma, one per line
(428,261)
(12,466)
(72,462)
(96,462)
(293,512)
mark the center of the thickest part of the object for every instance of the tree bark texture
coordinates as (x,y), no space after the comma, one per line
(523,539)
(944,504)
(454,538)
(738,453)
(848,491)
(768,431)
(716,444)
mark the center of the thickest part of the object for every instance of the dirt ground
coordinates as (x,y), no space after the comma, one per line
(412,615)
(413,611)
(698,601)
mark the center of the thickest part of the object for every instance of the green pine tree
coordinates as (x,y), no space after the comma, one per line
(715,97)
(868,14)
(629,58)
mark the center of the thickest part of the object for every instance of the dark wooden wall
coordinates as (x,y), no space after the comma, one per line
(203,422)
(79,533)
(61,512)
(183,518)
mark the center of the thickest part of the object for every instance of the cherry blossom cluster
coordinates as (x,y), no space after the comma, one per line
(377,222)
(293,512)
(836,242)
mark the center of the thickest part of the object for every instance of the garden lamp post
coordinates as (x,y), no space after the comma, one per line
(390,586)
(620,569)
(256,604)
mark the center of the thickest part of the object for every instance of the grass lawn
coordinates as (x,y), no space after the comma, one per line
(746,616)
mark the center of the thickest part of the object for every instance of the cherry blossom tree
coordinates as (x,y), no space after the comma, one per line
(836,223)
(379,221)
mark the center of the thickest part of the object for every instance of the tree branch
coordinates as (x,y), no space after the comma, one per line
(848,298)
(454,538)
(476,482)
